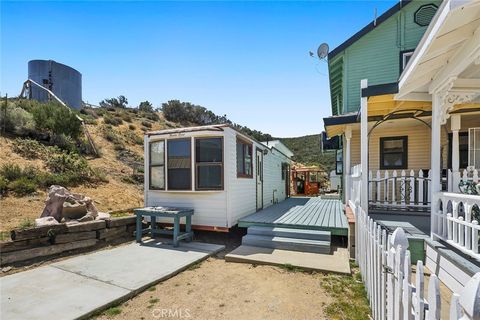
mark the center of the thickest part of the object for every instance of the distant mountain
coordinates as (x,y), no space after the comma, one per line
(307,151)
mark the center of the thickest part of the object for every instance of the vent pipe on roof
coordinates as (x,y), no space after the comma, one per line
(375,17)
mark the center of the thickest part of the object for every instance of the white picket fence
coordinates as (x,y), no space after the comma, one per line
(385,265)
(455,221)
(404,189)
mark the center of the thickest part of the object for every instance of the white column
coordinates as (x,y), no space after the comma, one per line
(364,146)
(435,164)
(455,124)
(348,171)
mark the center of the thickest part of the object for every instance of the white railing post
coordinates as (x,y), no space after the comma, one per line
(364,145)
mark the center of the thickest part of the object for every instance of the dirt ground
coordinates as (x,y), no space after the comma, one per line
(216,289)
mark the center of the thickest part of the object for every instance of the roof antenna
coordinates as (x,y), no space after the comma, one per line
(375,17)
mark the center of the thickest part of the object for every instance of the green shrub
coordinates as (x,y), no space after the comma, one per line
(11,171)
(56,119)
(3,185)
(100,112)
(64,142)
(17,120)
(131,127)
(30,149)
(22,186)
(126,117)
(147,124)
(151,116)
(118,146)
(84,147)
(114,121)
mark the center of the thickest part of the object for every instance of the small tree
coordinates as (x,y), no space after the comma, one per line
(120,102)
(145,106)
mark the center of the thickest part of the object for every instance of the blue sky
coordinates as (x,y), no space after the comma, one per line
(248,60)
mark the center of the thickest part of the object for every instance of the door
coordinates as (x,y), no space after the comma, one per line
(259,177)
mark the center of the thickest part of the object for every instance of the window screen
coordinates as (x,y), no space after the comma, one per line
(157,165)
(393,153)
(179,164)
(209,163)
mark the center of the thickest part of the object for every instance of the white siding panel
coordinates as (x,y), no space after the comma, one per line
(272,177)
(241,192)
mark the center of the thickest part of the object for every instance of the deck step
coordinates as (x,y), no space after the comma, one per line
(293,244)
(290,233)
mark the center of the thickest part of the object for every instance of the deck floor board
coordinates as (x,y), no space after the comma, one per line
(302,213)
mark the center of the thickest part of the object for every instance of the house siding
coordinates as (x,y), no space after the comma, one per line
(419,141)
(376,55)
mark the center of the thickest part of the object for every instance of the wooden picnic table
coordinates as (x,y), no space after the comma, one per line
(174,213)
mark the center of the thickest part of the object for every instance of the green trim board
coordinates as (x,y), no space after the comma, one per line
(302,213)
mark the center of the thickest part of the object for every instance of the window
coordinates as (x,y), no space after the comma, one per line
(339,161)
(284,171)
(179,164)
(404,58)
(244,159)
(474,147)
(209,163)
(463,146)
(157,165)
(393,153)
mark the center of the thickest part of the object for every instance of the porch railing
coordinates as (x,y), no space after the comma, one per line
(454,179)
(399,189)
(456,221)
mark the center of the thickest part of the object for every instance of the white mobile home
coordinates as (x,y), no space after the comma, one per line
(218,171)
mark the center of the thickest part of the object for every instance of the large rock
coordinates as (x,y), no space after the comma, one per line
(60,201)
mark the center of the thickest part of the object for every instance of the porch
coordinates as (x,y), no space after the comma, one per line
(301,213)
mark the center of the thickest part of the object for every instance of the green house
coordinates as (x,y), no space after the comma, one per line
(378,52)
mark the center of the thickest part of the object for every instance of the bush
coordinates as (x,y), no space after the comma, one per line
(3,185)
(64,142)
(30,149)
(11,171)
(84,147)
(118,146)
(126,117)
(152,116)
(17,120)
(147,124)
(114,121)
(131,127)
(56,119)
(23,186)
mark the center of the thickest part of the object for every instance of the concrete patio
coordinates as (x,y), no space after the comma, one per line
(80,286)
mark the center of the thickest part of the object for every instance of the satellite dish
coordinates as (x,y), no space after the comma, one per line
(322,51)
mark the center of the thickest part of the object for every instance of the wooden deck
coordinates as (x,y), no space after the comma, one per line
(302,213)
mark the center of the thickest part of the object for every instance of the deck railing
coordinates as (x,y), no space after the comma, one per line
(454,179)
(385,265)
(399,189)
(456,221)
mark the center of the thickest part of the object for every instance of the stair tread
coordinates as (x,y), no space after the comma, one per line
(278,229)
(287,240)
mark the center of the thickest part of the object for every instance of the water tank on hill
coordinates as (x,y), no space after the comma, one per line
(64,81)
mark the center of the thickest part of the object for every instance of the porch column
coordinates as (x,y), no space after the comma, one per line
(435,164)
(348,171)
(364,145)
(455,124)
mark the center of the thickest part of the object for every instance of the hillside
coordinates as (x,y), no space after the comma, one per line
(117,133)
(307,151)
